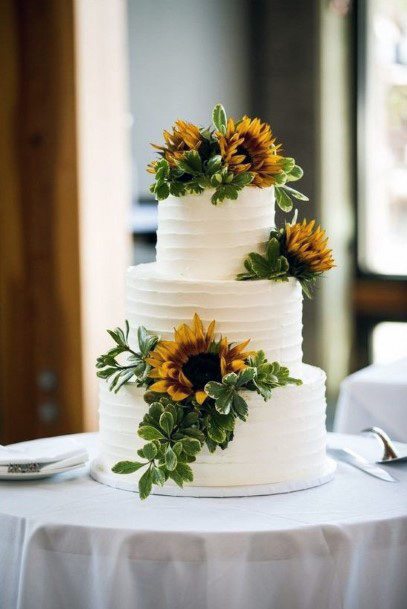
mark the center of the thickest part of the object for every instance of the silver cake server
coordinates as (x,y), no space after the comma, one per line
(390,454)
(344,454)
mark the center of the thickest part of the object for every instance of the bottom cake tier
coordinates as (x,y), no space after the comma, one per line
(282,440)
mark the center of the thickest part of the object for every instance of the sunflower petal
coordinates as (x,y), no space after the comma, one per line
(200,397)
(177,393)
(160,386)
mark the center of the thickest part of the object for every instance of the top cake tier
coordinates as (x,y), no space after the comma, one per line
(198,240)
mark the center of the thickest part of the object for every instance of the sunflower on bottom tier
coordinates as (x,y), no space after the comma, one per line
(185,365)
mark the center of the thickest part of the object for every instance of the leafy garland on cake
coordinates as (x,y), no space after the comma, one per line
(225,157)
(298,250)
(193,388)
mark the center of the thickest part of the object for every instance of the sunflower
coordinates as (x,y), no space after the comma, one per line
(306,248)
(183,366)
(249,145)
(185,136)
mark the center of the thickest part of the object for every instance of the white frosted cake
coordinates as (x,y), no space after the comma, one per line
(278,436)
(283,439)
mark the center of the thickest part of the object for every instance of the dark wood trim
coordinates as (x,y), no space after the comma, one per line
(40,333)
(383,299)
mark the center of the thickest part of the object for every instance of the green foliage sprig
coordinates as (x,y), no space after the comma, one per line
(270,266)
(193,176)
(135,366)
(284,193)
(198,170)
(277,265)
(173,441)
(269,376)
(175,432)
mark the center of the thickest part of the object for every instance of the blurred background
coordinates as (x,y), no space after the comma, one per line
(88,84)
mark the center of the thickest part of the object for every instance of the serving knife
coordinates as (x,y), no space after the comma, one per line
(348,456)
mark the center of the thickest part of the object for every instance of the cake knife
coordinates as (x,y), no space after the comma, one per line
(344,454)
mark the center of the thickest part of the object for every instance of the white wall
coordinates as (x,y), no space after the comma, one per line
(104,178)
(185,56)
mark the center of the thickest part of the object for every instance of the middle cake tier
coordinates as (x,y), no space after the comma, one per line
(268,313)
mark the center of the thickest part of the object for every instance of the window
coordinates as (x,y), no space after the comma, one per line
(389,342)
(382,125)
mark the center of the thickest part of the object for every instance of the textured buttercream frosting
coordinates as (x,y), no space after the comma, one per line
(283,439)
(200,249)
(268,313)
(198,240)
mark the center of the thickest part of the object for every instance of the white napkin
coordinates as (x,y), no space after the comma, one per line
(48,450)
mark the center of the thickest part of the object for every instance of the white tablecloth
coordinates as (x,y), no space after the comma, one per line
(71,543)
(376,395)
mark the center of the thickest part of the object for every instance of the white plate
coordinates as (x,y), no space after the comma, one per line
(39,475)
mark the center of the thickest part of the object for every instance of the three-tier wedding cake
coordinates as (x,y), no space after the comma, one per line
(205,387)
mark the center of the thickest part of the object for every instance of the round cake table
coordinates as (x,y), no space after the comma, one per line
(69,542)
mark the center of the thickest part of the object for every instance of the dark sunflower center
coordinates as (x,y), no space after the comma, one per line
(202,368)
(242,150)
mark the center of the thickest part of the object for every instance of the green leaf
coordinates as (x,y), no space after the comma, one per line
(162,170)
(150,451)
(230,379)
(162,192)
(190,419)
(263,389)
(212,446)
(155,411)
(243,179)
(214,389)
(295,193)
(230,191)
(191,163)
(146,340)
(224,401)
(215,432)
(295,174)
(240,406)
(191,446)
(127,467)
(117,336)
(170,459)
(157,475)
(214,164)
(174,475)
(167,422)
(177,189)
(257,359)
(280,179)
(194,433)
(147,432)
(219,118)
(224,421)
(259,265)
(288,164)
(283,200)
(245,376)
(185,472)
(272,251)
(145,484)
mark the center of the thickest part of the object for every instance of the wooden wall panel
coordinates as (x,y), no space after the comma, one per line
(40,372)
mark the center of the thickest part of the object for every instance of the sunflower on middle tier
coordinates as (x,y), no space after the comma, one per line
(185,365)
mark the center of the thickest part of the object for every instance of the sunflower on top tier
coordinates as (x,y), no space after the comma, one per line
(184,366)
(184,137)
(224,157)
(249,145)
